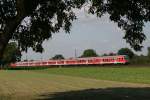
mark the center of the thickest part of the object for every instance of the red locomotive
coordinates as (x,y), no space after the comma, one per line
(119,59)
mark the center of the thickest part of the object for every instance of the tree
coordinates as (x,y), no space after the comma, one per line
(30,22)
(105,54)
(11,54)
(58,57)
(148,52)
(126,51)
(111,54)
(89,53)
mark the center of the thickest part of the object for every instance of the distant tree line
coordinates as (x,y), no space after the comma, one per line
(58,56)
(141,59)
(13,54)
(134,59)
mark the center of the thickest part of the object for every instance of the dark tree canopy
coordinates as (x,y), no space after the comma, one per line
(58,56)
(126,51)
(30,22)
(148,49)
(89,53)
(130,16)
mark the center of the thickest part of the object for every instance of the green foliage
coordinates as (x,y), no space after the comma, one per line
(126,51)
(140,60)
(46,17)
(148,52)
(58,56)
(130,15)
(89,53)
(11,54)
(41,18)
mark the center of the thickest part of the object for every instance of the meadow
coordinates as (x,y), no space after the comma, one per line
(114,73)
(76,83)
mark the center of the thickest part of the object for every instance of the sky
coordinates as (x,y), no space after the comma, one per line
(87,32)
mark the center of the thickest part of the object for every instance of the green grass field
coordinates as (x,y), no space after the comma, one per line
(86,83)
(122,74)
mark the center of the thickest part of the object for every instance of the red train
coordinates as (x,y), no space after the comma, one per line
(119,59)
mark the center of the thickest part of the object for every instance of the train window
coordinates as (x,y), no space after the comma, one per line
(105,60)
(52,62)
(112,59)
(70,62)
(67,61)
(97,60)
(83,61)
(120,59)
(60,62)
(90,61)
(79,61)
(44,62)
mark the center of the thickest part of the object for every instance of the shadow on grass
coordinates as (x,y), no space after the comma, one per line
(101,94)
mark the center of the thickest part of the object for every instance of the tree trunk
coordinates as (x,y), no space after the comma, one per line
(7,34)
(11,25)
(3,43)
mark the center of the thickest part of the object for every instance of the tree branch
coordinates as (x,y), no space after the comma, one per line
(12,24)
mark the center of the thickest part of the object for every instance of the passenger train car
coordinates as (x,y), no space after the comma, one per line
(119,59)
